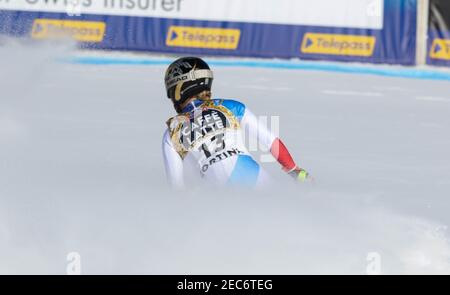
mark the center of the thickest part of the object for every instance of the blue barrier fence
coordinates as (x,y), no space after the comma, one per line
(388,71)
(393,43)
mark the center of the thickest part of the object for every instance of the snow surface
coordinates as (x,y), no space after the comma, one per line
(81,170)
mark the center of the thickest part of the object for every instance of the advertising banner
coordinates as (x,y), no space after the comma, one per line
(439,33)
(374,31)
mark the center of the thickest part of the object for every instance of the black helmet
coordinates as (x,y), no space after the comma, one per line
(187,77)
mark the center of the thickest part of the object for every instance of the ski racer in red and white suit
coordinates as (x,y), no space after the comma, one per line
(206,138)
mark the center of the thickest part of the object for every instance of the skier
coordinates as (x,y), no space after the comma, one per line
(205,138)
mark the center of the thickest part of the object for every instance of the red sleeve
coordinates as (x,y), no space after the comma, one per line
(281,153)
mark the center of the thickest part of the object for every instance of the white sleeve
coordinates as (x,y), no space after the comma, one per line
(172,162)
(257,131)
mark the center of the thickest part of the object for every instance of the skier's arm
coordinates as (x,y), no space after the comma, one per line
(281,153)
(172,162)
(272,143)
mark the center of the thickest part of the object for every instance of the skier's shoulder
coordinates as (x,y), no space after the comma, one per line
(175,121)
(235,106)
(171,125)
(228,103)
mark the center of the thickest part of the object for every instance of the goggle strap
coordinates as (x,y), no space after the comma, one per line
(191,76)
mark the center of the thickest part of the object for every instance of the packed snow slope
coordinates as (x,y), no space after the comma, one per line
(81,171)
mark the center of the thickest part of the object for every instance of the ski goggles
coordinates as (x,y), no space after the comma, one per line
(190,76)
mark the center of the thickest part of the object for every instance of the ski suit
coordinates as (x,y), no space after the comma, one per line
(207,140)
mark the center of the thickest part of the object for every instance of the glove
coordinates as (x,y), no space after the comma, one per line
(299,174)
